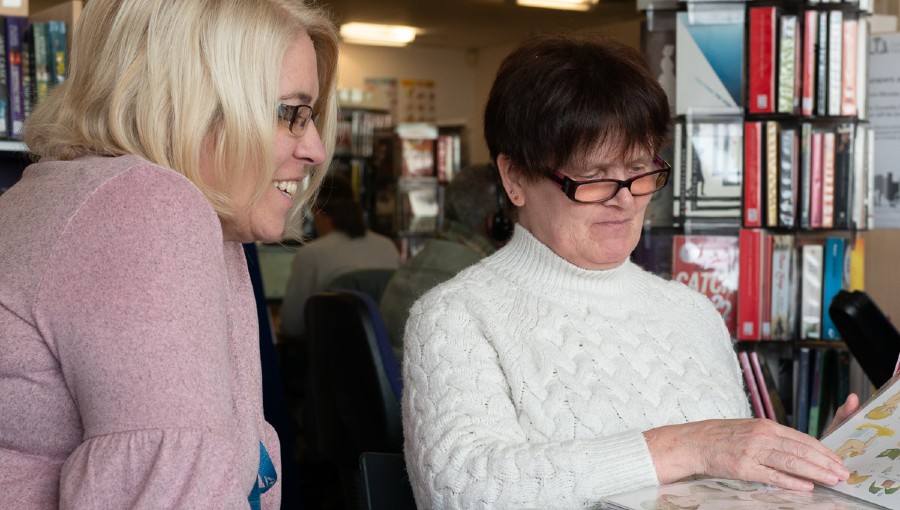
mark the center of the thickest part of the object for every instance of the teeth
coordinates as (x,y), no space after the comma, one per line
(289,187)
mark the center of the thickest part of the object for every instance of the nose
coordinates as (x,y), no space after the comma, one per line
(622,195)
(309,147)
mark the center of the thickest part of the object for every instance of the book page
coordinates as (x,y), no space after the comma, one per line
(869,444)
(719,494)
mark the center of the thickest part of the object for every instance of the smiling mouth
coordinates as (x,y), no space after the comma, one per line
(289,188)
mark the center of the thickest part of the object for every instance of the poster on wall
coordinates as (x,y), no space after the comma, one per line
(384,91)
(884,117)
(417,101)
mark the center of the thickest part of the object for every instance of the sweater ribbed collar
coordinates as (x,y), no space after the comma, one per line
(528,263)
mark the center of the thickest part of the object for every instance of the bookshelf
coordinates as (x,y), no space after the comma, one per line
(13,152)
(771,153)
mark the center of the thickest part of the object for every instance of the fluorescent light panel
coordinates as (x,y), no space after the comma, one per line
(378,35)
(569,5)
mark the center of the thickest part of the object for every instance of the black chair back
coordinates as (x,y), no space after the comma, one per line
(354,381)
(386,482)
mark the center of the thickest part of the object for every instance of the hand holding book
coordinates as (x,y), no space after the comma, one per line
(756,450)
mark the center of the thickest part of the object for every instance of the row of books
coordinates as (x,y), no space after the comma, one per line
(768,286)
(804,387)
(773,174)
(817,176)
(411,150)
(786,289)
(356,131)
(809,63)
(34,61)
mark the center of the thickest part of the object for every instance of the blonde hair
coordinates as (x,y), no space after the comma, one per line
(159,78)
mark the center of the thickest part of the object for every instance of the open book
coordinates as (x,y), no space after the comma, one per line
(868,442)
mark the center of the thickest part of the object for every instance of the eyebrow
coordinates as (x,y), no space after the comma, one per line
(301,96)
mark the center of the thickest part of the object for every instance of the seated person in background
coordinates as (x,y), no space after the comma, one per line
(475,225)
(343,244)
(555,371)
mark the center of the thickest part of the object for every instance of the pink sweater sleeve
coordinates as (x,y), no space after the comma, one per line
(139,309)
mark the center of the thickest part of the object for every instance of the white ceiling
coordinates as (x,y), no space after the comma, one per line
(476,23)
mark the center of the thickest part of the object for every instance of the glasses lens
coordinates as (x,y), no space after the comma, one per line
(304,113)
(648,183)
(595,191)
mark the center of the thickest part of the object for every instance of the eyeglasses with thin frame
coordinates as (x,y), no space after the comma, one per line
(297,116)
(595,191)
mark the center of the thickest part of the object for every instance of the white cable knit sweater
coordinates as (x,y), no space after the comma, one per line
(529,381)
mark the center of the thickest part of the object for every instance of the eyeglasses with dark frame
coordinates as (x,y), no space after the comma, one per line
(297,116)
(595,191)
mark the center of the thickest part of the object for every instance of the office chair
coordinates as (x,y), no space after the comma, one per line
(371,282)
(869,335)
(386,481)
(354,385)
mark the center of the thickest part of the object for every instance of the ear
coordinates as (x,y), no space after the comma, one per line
(512,179)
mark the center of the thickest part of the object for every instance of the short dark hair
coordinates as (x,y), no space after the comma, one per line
(337,199)
(556,97)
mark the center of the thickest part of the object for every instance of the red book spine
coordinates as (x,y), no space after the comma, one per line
(848,79)
(761,70)
(749,288)
(752,174)
(809,64)
(764,284)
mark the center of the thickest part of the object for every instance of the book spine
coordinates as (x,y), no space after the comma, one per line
(805,173)
(41,72)
(678,169)
(815,192)
(748,290)
(828,144)
(848,76)
(832,282)
(765,286)
(752,174)
(787,169)
(4,83)
(57,46)
(843,177)
(761,70)
(802,396)
(815,391)
(752,389)
(782,246)
(772,134)
(809,63)
(862,68)
(787,65)
(811,291)
(15,27)
(822,64)
(835,65)
(762,386)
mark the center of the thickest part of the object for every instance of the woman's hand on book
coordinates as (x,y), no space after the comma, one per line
(756,450)
(851,405)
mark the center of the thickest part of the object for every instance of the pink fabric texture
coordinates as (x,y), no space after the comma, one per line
(129,356)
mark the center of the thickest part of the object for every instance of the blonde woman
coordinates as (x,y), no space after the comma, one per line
(130,368)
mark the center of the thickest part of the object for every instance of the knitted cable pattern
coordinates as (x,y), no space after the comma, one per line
(529,381)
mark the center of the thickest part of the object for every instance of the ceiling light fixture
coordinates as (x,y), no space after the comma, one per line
(569,5)
(377,35)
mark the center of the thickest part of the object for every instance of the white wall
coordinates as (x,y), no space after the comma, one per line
(462,77)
